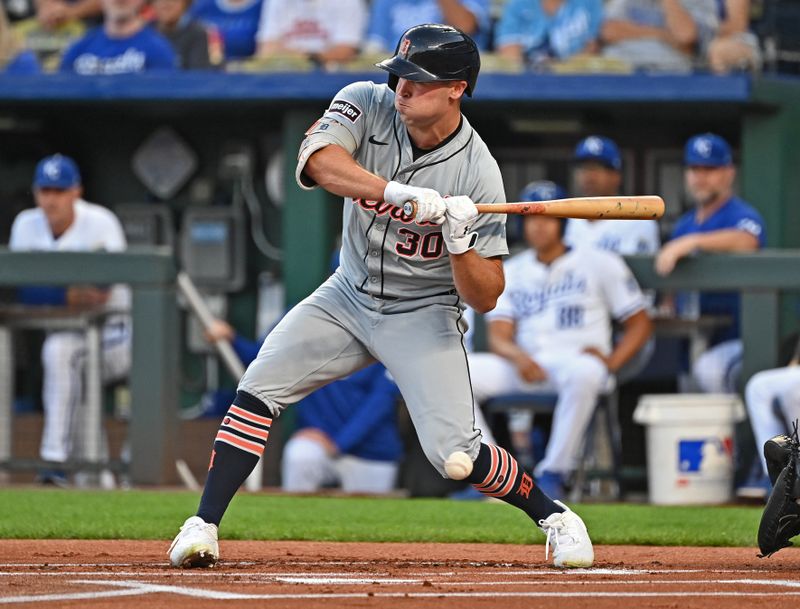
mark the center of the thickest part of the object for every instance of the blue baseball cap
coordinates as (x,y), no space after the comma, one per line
(57,171)
(707,150)
(542,190)
(599,149)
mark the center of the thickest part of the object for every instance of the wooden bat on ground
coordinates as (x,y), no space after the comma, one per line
(647,207)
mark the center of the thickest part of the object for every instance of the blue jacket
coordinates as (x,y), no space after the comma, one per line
(734,214)
(357,412)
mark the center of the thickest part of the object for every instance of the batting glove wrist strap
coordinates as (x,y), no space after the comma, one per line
(459,220)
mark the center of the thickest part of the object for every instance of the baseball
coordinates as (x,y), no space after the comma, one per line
(458,466)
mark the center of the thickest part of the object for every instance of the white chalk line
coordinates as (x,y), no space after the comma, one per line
(134,588)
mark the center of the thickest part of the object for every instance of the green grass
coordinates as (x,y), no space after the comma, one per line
(57,514)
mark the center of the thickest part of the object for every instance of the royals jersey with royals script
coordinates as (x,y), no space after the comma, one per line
(384,252)
(567,305)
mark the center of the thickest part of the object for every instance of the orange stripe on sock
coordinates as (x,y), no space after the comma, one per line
(245,414)
(236,441)
(502,476)
(244,428)
(509,483)
(492,468)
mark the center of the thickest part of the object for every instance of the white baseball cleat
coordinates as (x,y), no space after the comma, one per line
(569,538)
(195,545)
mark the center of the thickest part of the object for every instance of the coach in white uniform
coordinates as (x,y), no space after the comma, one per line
(62,221)
(598,173)
(551,331)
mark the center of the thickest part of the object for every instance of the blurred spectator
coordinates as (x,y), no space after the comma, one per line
(329,32)
(598,173)
(735,46)
(13,58)
(551,331)
(347,431)
(389,19)
(188,37)
(235,21)
(541,30)
(124,44)
(773,402)
(63,221)
(720,222)
(663,35)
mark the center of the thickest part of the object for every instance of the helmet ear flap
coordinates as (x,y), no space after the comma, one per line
(393,80)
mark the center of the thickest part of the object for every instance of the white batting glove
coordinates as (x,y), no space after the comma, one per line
(430,205)
(457,228)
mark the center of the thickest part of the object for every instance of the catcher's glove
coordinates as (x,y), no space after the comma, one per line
(781,518)
(777,452)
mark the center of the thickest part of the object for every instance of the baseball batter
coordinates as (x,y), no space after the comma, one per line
(62,221)
(399,293)
(551,331)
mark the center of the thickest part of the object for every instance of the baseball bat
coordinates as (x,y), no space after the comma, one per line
(646,207)
(203,313)
(226,353)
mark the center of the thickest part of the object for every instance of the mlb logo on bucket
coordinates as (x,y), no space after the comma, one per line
(707,456)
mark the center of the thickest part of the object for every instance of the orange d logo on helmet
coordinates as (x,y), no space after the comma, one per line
(404,47)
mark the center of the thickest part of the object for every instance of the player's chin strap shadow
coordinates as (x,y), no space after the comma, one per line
(781,518)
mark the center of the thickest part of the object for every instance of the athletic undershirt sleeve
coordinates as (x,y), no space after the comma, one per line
(342,124)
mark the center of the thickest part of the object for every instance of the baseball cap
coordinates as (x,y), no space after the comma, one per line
(599,149)
(707,150)
(542,190)
(57,171)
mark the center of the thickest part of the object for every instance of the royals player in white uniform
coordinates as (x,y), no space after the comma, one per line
(598,173)
(61,222)
(773,402)
(551,331)
(399,293)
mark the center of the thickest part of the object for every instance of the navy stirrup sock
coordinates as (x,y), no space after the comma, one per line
(237,448)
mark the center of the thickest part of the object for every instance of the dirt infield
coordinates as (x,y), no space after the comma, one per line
(127,574)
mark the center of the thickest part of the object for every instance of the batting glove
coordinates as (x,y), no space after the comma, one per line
(458,222)
(430,205)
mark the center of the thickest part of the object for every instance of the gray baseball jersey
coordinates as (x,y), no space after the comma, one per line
(393,298)
(398,257)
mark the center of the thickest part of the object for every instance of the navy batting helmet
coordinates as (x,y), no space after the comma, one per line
(434,52)
(542,190)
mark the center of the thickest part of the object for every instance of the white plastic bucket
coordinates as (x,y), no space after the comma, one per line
(689,446)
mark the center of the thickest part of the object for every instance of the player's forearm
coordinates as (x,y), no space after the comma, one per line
(479,281)
(336,171)
(507,349)
(680,25)
(457,15)
(638,329)
(728,240)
